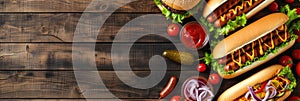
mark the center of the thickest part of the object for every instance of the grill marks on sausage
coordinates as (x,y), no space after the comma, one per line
(257,48)
(221,10)
(236,9)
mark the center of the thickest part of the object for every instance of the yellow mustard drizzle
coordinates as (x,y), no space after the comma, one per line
(239,62)
(285,34)
(260,42)
(261,51)
(234,11)
(272,42)
(252,55)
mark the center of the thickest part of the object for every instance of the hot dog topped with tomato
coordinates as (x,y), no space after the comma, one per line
(273,83)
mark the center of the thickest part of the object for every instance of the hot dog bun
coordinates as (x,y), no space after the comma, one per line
(214,4)
(255,31)
(257,63)
(260,77)
(211,6)
(229,44)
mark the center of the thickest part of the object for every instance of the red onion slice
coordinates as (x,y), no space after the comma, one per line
(253,94)
(197,90)
(272,90)
(247,95)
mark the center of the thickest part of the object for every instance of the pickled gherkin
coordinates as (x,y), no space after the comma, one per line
(181,57)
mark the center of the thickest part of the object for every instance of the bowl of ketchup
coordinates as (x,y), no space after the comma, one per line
(193,35)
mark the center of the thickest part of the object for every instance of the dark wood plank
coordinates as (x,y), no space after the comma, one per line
(60,27)
(57,56)
(80,99)
(77,6)
(62,84)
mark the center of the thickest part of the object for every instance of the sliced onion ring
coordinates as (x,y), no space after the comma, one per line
(197,90)
(253,94)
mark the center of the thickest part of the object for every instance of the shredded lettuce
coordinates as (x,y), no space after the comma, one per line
(175,17)
(287,72)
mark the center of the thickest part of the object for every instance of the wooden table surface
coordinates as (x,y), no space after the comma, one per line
(36,38)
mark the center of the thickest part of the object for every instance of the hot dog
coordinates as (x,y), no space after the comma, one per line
(229,15)
(238,54)
(273,83)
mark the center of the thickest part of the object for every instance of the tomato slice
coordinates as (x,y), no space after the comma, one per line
(262,87)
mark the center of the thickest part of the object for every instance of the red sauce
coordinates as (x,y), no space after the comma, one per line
(193,35)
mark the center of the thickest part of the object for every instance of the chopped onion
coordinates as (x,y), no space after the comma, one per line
(197,90)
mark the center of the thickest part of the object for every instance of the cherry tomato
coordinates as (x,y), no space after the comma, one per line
(298,69)
(201,67)
(294,98)
(286,61)
(298,11)
(175,98)
(296,54)
(289,1)
(214,78)
(273,6)
(173,29)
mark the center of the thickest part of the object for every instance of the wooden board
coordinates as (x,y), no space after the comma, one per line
(60,27)
(76,6)
(62,84)
(57,56)
(36,38)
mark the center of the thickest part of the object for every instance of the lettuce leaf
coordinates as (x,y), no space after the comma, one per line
(240,21)
(218,33)
(291,13)
(295,26)
(175,17)
(287,72)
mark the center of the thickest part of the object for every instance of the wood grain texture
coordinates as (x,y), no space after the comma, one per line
(62,84)
(60,27)
(80,99)
(76,6)
(57,56)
